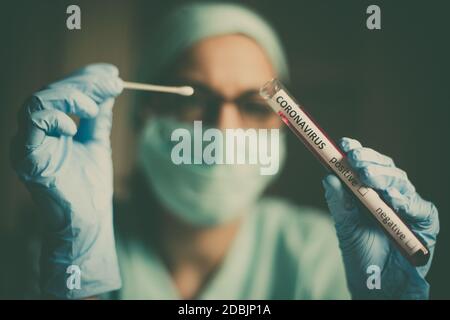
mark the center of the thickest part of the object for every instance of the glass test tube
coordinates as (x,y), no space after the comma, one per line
(315,139)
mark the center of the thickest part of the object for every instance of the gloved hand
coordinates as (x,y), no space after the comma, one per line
(363,243)
(70,175)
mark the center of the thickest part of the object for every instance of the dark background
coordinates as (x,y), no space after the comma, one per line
(389,88)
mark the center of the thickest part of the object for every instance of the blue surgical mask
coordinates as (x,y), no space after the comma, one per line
(199,194)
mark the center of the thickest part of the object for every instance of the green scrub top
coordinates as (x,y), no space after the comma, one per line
(280,252)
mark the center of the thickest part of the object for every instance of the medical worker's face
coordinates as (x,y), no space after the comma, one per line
(226,73)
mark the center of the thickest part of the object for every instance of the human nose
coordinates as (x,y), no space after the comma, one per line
(229,116)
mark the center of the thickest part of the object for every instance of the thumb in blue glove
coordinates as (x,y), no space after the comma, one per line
(363,243)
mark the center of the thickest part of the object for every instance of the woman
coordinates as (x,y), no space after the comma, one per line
(201,231)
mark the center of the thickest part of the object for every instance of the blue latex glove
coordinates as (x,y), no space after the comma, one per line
(363,243)
(70,175)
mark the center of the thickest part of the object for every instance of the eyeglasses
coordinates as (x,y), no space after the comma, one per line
(205,105)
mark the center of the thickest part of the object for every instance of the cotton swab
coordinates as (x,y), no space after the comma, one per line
(184,91)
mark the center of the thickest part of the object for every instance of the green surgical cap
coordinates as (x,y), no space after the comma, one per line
(191,23)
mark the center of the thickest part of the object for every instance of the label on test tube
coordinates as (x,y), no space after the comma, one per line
(318,142)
